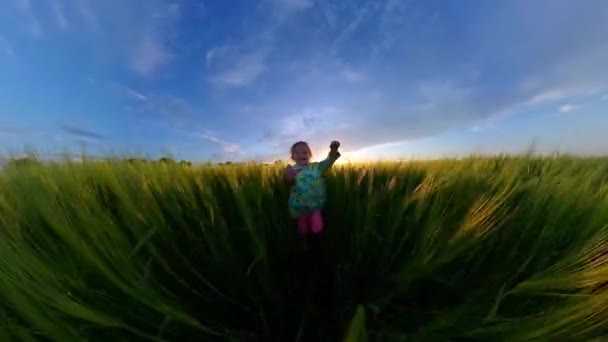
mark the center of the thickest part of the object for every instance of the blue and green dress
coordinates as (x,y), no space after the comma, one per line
(309,194)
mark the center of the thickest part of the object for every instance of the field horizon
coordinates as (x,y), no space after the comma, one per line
(69,156)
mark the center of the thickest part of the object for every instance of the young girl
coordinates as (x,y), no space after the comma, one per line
(308,197)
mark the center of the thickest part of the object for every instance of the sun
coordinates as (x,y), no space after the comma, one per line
(342,161)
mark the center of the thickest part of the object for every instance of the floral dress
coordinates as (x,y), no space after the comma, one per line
(308,194)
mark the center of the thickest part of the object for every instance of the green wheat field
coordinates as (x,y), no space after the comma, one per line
(505,248)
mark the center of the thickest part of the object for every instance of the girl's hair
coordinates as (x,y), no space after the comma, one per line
(299,143)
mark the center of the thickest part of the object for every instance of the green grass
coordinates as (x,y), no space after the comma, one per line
(482,249)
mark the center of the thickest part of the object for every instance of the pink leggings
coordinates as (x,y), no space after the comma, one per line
(310,222)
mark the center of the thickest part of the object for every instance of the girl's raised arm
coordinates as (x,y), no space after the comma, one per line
(332,156)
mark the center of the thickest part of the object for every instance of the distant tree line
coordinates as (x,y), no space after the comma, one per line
(27,161)
(163,160)
(24,161)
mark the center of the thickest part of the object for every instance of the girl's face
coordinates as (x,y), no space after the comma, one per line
(301,155)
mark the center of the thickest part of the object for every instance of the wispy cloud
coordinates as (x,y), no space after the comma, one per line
(552,94)
(138,36)
(352,75)
(484,127)
(306,123)
(163,110)
(88,15)
(82,133)
(60,17)
(542,97)
(432,88)
(6,48)
(361,14)
(23,5)
(292,5)
(176,107)
(437,93)
(129,92)
(152,50)
(238,68)
(244,58)
(388,20)
(11,130)
(391,24)
(227,147)
(136,95)
(301,125)
(33,25)
(536,96)
(567,108)
(211,55)
(149,55)
(372,72)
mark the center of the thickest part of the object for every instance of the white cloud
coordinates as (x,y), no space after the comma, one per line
(239,69)
(352,75)
(316,125)
(131,93)
(552,94)
(134,34)
(210,55)
(152,46)
(484,127)
(244,60)
(136,95)
(148,56)
(567,108)
(549,95)
(388,102)
(301,125)
(227,147)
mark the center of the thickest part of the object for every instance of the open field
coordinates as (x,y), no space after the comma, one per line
(482,249)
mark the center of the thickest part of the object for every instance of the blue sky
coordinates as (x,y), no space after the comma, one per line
(239,80)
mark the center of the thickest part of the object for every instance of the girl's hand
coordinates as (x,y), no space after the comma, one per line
(334,145)
(288,170)
(289,174)
(333,152)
